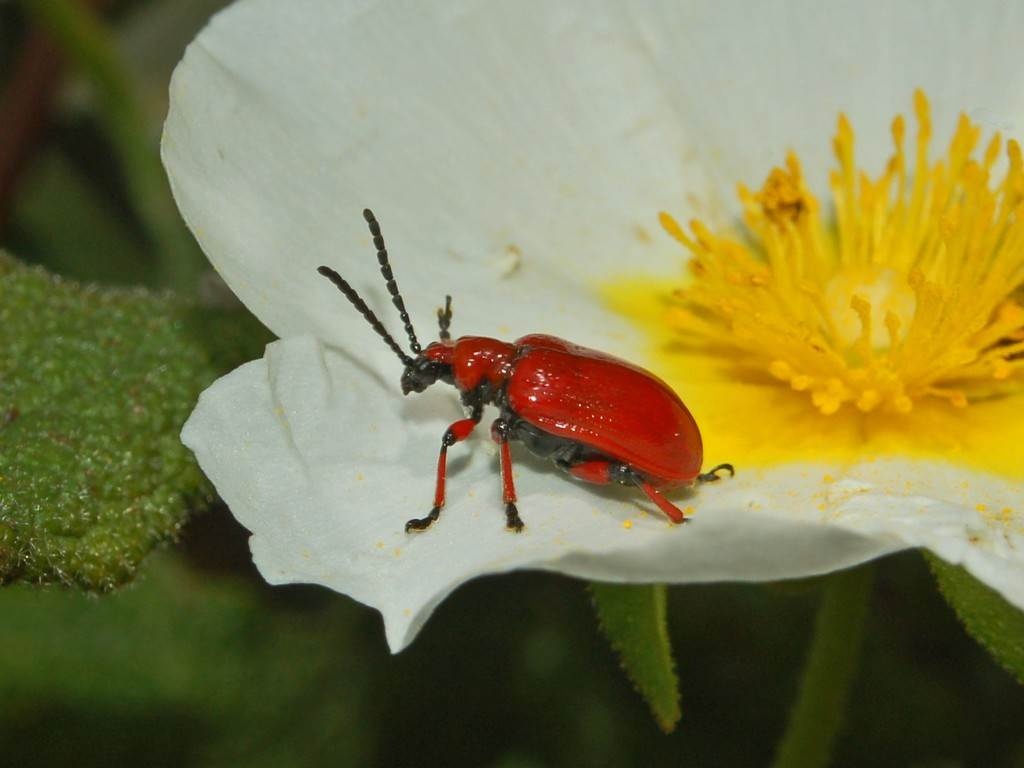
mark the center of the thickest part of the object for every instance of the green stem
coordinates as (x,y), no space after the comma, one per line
(86,42)
(817,716)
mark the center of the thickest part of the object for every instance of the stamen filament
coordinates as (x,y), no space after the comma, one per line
(914,292)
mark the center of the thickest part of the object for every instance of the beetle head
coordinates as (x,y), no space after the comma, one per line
(422,373)
(434,363)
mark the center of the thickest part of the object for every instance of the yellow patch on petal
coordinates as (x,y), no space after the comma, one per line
(896,330)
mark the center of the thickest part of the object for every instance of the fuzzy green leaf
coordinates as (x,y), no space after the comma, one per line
(94,387)
(993,622)
(633,618)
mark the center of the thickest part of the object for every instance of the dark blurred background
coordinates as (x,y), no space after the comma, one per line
(199,663)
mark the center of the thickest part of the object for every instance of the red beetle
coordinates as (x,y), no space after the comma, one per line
(598,418)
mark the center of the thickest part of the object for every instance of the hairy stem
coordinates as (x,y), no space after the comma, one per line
(817,715)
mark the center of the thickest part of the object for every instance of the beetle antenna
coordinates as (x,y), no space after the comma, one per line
(444,318)
(385,269)
(365,311)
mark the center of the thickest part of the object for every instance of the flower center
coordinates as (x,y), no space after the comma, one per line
(913,294)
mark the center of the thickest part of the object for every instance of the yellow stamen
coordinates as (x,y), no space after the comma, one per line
(914,295)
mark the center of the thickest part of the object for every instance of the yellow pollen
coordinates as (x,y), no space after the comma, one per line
(910,291)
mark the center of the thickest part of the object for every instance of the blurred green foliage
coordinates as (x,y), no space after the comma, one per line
(178,670)
(198,663)
(94,241)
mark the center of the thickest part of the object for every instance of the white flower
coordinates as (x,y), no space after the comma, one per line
(517,156)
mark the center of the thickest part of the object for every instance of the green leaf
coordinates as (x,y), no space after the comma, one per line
(94,387)
(633,618)
(988,618)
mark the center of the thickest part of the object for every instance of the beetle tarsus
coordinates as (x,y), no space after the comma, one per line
(422,523)
(512,520)
(712,474)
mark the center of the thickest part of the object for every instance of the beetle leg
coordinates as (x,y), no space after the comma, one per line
(499,433)
(674,513)
(596,471)
(603,472)
(712,474)
(457,432)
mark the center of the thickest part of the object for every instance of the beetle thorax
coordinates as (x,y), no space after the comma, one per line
(479,361)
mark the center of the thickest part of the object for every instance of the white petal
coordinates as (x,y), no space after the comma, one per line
(514,154)
(752,80)
(324,464)
(966,517)
(518,151)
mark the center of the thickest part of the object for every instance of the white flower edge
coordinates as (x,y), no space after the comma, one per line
(324,463)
